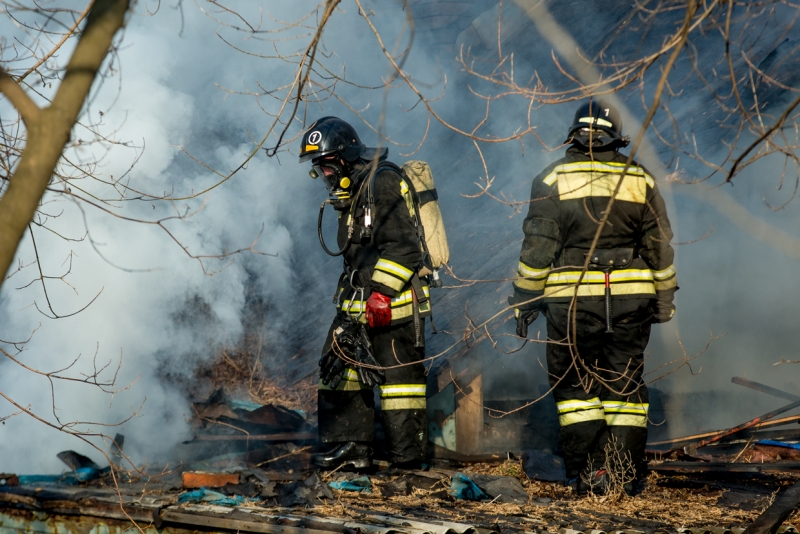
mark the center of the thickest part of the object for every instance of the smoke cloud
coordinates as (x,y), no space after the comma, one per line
(180,85)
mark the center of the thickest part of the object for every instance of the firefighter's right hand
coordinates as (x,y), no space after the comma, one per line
(524,320)
(665,310)
(379,311)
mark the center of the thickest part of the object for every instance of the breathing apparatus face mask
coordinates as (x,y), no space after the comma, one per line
(332,173)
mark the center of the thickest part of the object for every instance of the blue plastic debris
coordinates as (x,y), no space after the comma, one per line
(357,484)
(204,495)
(774,443)
(82,474)
(461,487)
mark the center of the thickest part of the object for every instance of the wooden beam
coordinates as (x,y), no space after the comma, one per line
(469,416)
(774,516)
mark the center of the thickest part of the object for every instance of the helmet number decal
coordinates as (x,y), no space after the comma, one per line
(606,110)
(314,138)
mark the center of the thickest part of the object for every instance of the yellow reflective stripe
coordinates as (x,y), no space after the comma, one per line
(530,285)
(402,307)
(577,404)
(394,268)
(596,179)
(595,277)
(403,390)
(414,403)
(664,274)
(669,284)
(388,280)
(349,382)
(350,374)
(599,290)
(529,272)
(408,310)
(625,407)
(406,297)
(624,419)
(353,306)
(581,416)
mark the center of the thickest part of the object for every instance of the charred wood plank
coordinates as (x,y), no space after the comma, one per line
(774,516)
(694,437)
(757,421)
(763,388)
(724,467)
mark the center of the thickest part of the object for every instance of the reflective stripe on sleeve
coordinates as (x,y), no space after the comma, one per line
(529,272)
(391,274)
(664,274)
(388,280)
(394,268)
(531,279)
(668,284)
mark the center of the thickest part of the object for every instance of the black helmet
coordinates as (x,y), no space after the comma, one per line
(329,135)
(597,117)
(329,141)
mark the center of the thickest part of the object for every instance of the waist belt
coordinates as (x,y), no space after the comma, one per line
(601,260)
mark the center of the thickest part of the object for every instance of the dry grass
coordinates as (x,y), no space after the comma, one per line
(240,372)
(552,506)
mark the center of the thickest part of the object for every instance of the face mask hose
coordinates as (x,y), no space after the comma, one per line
(322,240)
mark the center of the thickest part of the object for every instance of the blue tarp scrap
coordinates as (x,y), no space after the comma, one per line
(204,495)
(82,474)
(461,487)
(357,484)
(773,443)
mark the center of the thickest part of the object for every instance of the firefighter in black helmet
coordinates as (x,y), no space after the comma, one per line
(630,283)
(379,288)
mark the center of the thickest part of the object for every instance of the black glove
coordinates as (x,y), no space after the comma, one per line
(344,343)
(524,320)
(665,309)
(369,376)
(331,369)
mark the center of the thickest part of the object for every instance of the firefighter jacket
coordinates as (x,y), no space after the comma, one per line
(568,200)
(389,259)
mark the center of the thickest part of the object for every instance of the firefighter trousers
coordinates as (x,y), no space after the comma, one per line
(607,412)
(348,412)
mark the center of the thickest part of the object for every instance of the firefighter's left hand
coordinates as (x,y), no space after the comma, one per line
(524,320)
(379,311)
(665,310)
